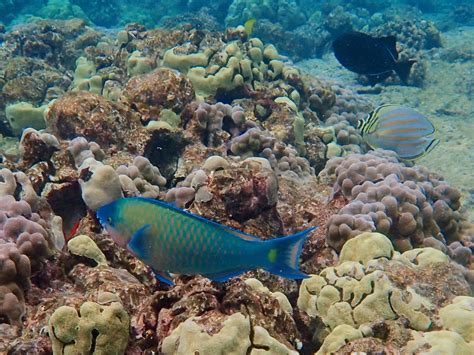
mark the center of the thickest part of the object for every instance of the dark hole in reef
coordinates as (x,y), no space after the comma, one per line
(227,97)
(67,203)
(73,260)
(381,331)
(227,123)
(5,129)
(18,191)
(95,334)
(163,150)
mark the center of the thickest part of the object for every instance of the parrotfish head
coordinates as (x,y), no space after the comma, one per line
(110,217)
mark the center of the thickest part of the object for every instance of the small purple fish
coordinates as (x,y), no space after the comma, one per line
(171,240)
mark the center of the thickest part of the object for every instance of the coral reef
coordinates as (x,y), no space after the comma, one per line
(367,291)
(409,204)
(224,125)
(25,243)
(100,327)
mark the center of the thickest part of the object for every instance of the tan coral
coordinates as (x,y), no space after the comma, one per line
(235,337)
(96,328)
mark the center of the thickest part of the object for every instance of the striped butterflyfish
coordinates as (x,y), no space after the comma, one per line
(401,129)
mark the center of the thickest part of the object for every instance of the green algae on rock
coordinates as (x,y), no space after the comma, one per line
(23,114)
(82,245)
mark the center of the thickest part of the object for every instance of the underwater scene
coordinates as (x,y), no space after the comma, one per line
(236,177)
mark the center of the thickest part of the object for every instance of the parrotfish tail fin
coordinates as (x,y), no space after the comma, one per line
(403,69)
(283,255)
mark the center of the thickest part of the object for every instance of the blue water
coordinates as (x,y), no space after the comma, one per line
(289,13)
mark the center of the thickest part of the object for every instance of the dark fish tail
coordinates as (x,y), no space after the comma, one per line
(403,69)
(283,255)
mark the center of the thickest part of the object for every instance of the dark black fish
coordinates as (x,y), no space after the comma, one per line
(375,57)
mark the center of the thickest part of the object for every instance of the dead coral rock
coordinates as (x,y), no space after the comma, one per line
(54,41)
(93,117)
(36,146)
(301,204)
(25,88)
(107,279)
(439,282)
(214,302)
(161,89)
(245,191)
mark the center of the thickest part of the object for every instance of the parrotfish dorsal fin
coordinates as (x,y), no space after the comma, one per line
(390,43)
(173,207)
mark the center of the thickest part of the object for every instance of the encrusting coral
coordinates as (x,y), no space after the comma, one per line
(362,290)
(99,328)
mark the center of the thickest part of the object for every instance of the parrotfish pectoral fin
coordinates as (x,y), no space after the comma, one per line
(138,244)
(164,277)
(284,254)
(224,276)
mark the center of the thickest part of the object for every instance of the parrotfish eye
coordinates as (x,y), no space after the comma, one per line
(109,220)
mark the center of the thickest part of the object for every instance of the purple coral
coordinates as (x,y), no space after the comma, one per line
(24,244)
(408,204)
(216,123)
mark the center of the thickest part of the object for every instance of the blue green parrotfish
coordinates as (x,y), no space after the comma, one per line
(401,129)
(171,240)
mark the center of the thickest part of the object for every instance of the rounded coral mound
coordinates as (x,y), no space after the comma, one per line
(409,204)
